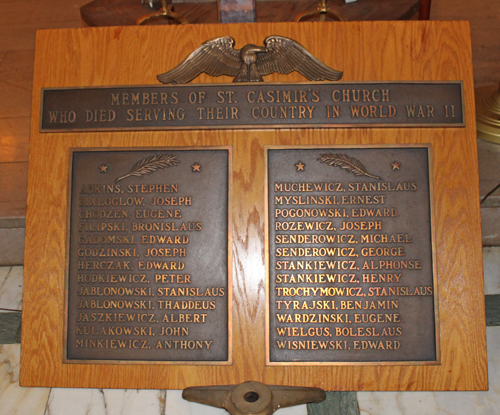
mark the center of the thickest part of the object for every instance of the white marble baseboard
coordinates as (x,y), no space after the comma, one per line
(105,402)
(11,287)
(15,400)
(133,402)
(441,403)
(491,265)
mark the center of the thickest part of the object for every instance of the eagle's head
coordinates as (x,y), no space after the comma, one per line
(248,53)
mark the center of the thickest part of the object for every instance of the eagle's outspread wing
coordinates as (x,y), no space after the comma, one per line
(285,55)
(215,57)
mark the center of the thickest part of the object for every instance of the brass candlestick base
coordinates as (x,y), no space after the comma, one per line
(253,398)
(488,113)
(166,10)
(322,12)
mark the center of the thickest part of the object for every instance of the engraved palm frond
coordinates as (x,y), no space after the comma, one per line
(347,163)
(151,164)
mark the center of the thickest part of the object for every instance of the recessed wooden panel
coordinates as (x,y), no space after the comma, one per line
(373,52)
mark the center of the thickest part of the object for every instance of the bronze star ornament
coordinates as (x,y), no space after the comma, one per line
(218,57)
(300,166)
(395,165)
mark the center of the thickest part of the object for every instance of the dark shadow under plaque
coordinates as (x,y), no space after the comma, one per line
(351,274)
(148,259)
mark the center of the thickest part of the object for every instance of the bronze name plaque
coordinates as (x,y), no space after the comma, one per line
(250,105)
(351,273)
(149,263)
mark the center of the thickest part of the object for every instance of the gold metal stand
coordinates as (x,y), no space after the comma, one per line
(166,10)
(323,12)
(253,398)
(488,113)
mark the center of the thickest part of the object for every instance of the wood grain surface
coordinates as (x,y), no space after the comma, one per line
(365,51)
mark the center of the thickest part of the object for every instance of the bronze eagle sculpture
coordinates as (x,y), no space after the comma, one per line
(218,57)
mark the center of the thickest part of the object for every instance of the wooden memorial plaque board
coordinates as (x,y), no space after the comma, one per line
(290,232)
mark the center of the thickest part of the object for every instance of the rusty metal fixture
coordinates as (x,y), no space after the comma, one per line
(323,11)
(488,113)
(253,397)
(166,10)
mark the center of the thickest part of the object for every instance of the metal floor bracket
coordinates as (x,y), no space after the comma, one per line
(253,397)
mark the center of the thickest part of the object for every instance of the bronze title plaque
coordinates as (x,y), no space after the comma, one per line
(351,274)
(250,105)
(149,274)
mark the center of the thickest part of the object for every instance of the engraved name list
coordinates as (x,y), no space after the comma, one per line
(350,263)
(148,275)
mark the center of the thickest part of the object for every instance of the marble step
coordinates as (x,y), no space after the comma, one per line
(16,72)
(12,241)
(13,183)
